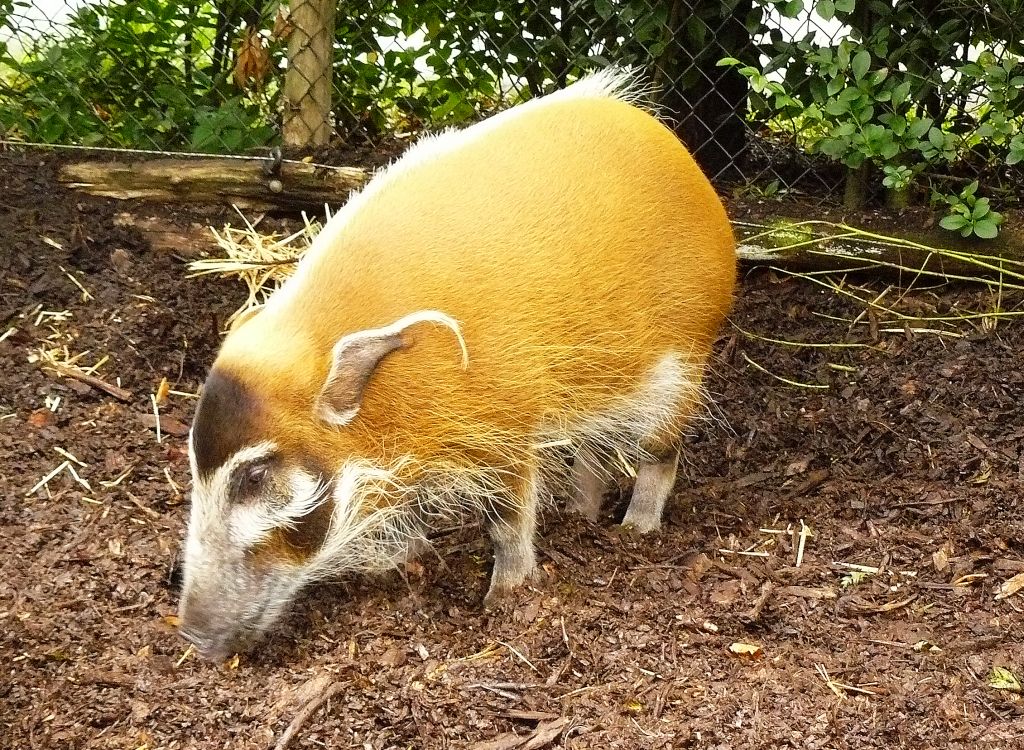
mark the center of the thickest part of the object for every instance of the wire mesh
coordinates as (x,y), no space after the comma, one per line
(825,98)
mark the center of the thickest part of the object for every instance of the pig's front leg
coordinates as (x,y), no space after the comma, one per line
(512,524)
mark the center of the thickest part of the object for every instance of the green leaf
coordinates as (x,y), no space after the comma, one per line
(850,94)
(953,222)
(835,107)
(843,54)
(845,6)
(874,132)
(604,9)
(898,125)
(826,9)
(855,159)
(986,229)
(1003,679)
(900,93)
(834,147)
(937,138)
(792,8)
(818,89)
(919,127)
(889,150)
(728,61)
(861,63)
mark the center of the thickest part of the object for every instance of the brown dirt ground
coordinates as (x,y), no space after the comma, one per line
(911,462)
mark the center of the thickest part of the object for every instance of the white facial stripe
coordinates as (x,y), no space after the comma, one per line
(247,455)
(210,496)
(374,521)
(193,465)
(250,524)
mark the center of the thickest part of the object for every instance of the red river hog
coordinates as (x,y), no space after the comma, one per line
(548,281)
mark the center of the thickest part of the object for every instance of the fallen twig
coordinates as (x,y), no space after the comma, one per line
(141,505)
(755,612)
(876,609)
(839,688)
(522,658)
(787,381)
(506,685)
(805,532)
(545,733)
(307,710)
(91,380)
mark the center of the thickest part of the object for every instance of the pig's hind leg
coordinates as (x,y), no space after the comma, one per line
(590,481)
(664,408)
(654,482)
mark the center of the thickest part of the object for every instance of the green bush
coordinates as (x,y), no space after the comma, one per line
(133,73)
(969,214)
(896,96)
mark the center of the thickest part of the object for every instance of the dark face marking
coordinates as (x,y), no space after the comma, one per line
(309,532)
(227,419)
(257,480)
(298,542)
(304,537)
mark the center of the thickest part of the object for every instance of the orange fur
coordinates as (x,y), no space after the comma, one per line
(575,240)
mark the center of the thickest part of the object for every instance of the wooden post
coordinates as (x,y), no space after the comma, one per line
(855,190)
(307,82)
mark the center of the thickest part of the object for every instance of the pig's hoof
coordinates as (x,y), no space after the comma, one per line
(638,526)
(499,597)
(503,593)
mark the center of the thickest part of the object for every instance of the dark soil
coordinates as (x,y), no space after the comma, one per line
(910,462)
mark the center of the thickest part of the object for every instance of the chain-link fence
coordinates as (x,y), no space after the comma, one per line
(835,99)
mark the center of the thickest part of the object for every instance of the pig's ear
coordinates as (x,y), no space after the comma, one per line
(356,356)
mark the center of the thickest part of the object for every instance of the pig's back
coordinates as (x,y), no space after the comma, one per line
(575,240)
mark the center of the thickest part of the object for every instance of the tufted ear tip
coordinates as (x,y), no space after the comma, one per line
(239,319)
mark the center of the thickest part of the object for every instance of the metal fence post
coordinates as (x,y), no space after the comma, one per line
(307,84)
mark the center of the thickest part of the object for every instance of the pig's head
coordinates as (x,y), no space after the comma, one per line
(278,482)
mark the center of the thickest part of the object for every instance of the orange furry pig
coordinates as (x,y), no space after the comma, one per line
(554,275)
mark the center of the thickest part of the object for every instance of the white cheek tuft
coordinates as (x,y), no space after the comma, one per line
(251,524)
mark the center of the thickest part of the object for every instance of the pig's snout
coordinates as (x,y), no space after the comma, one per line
(227,610)
(209,650)
(213,633)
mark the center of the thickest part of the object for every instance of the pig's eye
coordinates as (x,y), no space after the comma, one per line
(252,480)
(257,476)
